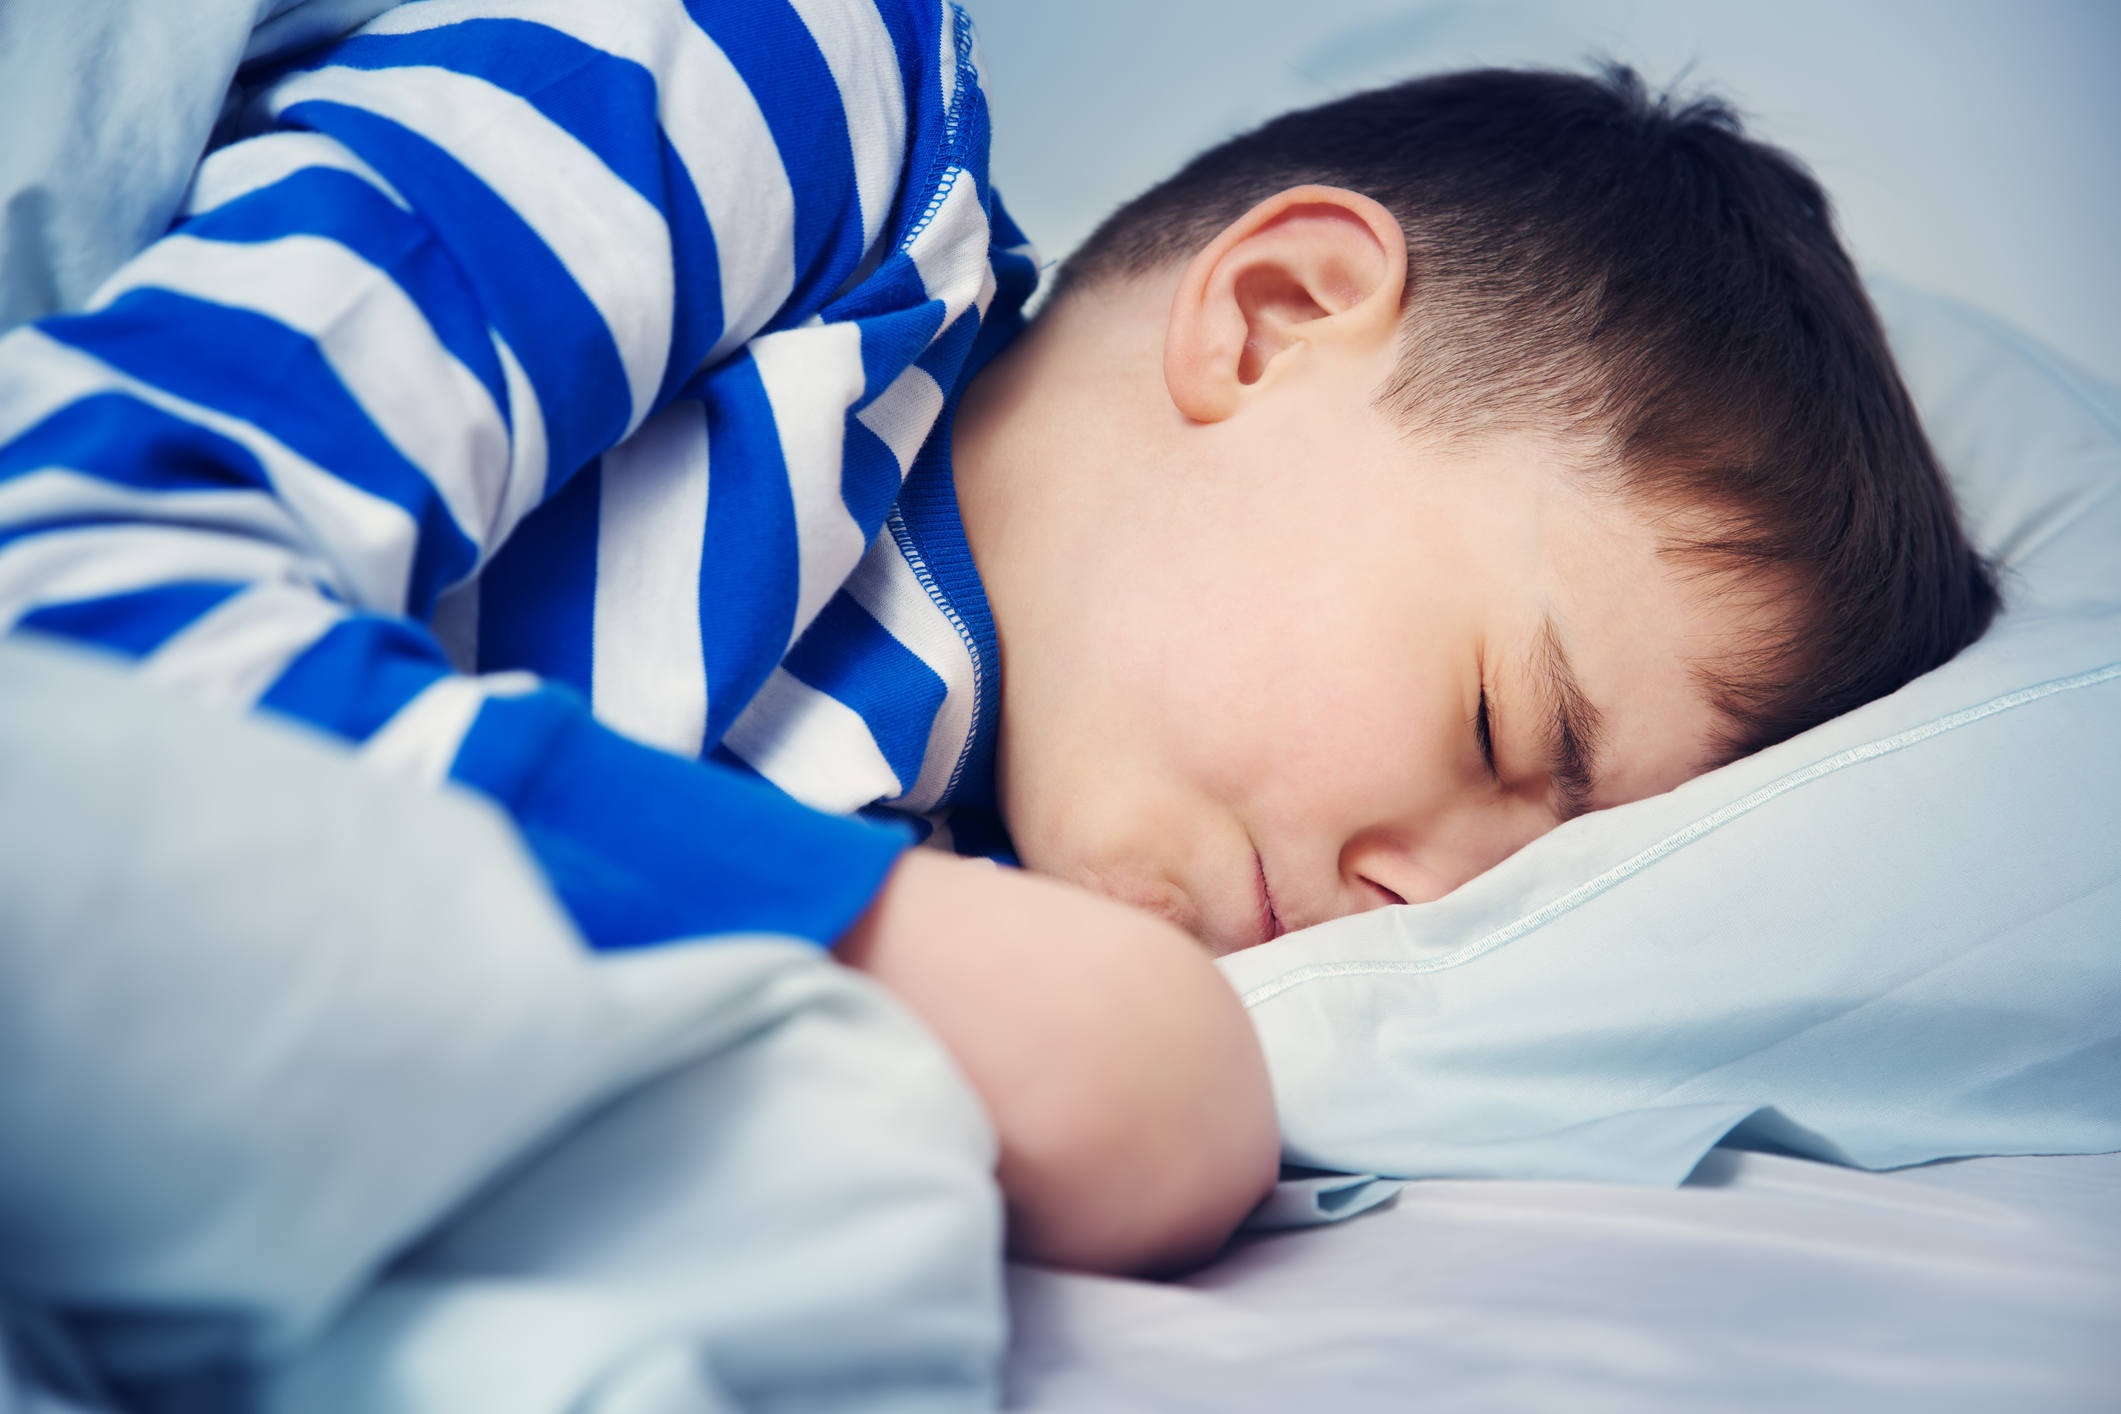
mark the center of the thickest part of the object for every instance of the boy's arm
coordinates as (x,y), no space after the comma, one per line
(1124,1078)
(480,252)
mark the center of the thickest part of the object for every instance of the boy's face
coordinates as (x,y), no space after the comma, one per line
(1245,660)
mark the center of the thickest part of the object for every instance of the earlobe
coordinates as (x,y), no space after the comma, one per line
(1309,269)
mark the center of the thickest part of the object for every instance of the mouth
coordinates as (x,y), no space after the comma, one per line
(1270,924)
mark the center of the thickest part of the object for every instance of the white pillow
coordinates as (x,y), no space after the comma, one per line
(1893,939)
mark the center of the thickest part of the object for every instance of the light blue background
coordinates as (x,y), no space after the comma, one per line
(1973,148)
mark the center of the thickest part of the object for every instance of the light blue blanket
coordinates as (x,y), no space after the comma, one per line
(265,1018)
(107,105)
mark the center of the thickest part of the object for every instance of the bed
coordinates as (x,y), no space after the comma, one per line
(1691,1224)
(1762,1282)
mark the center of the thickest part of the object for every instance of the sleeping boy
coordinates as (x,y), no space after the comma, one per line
(624,410)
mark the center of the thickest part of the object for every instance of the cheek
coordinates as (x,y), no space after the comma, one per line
(1247,695)
(1368,739)
(1092,784)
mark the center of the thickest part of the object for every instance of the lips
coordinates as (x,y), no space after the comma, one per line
(1270,924)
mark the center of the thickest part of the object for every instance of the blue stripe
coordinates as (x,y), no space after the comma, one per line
(945,360)
(134,624)
(897,335)
(643,847)
(537,597)
(916,35)
(969,139)
(928,508)
(1004,234)
(552,327)
(12,535)
(869,477)
(847,654)
(749,562)
(920,826)
(981,834)
(1002,324)
(698,318)
(1015,278)
(723,756)
(895,285)
(912,28)
(258,370)
(357,676)
(609,105)
(869,470)
(120,439)
(771,47)
(341,207)
(606,103)
(944,140)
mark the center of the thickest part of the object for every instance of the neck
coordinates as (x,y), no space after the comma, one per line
(1058,417)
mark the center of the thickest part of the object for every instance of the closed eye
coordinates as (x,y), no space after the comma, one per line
(1484,732)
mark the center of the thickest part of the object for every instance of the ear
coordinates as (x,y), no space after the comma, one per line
(1308,269)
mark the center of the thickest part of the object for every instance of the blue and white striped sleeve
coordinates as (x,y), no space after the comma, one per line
(476,246)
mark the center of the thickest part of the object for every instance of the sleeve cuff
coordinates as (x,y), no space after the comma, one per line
(643,847)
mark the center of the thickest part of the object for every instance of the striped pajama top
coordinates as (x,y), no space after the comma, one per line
(553,396)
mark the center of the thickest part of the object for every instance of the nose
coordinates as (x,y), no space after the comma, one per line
(1389,865)
(1377,870)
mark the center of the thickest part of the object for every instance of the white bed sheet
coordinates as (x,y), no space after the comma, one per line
(1763,1283)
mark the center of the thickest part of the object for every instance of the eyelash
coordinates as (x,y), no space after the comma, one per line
(1485,734)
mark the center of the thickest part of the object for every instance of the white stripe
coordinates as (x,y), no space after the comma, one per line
(611,240)
(367,541)
(648,674)
(421,742)
(813,746)
(95,562)
(528,462)
(987,289)
(232,653)
(244,167)
(38,377)
(60,494)
(904,414)
(812,376)
(864,64)
(885,584)
(417,394)
(710,117)
(947,57)
(951,250)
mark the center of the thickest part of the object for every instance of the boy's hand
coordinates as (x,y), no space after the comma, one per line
(1125,1081)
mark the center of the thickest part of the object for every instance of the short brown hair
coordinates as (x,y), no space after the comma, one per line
(1637,273)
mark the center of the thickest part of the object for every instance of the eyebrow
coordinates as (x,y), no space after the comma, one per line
(1572,728)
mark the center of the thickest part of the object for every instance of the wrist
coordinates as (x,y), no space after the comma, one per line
(1125,1082)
